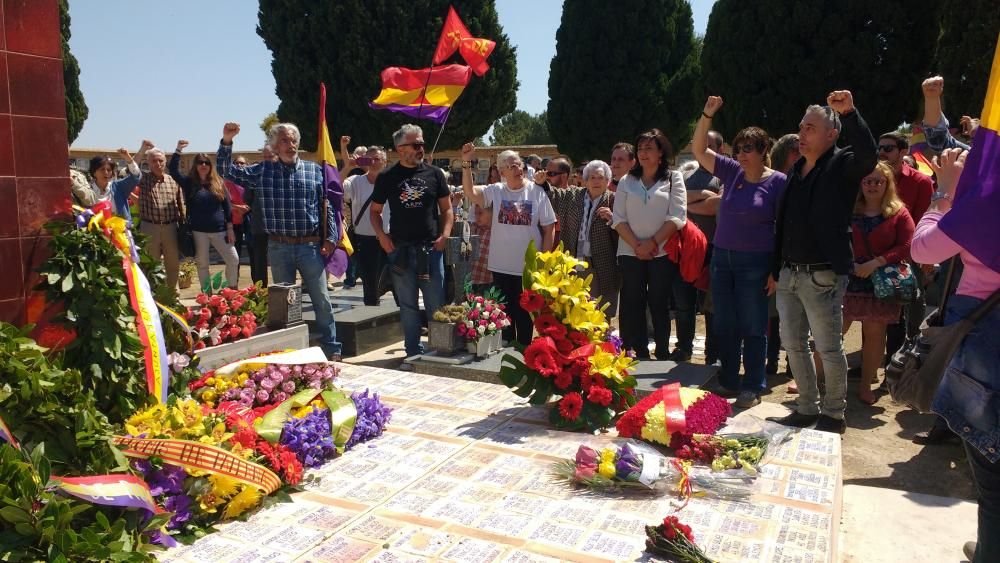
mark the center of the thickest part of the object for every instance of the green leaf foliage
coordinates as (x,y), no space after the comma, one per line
(969,30)
(40,401)
(621,69)
(85,273)
(38,524)
(521,128)
(347,43)
(76,107)
(770,59)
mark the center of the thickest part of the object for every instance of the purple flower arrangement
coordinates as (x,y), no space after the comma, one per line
(310,437)
(166,484)
(274,383)
(372,417)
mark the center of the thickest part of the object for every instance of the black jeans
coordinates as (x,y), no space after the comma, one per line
(647,283)
(987,478)
(685,308)
(520,328)
(370,260)
(258,258)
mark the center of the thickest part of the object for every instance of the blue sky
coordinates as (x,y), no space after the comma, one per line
(181,68)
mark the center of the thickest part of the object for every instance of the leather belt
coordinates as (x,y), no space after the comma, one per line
(293,240)
(796,267)
(160,222)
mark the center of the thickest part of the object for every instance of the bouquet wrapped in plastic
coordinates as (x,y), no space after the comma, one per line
(725,452)
(636,466)
(672,414)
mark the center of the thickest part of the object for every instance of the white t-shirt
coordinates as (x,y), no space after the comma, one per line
(516,218)
(645,210)
(358,189)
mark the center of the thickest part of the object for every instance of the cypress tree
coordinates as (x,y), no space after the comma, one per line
(347,43)
(965,50)
(76,107)
(622,68)
(769,59)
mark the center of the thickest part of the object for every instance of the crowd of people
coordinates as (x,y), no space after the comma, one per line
(797,233)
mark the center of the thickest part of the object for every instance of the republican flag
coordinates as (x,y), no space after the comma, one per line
(336,261)
(7,436)
(427,93)
(972,219)
(455,36)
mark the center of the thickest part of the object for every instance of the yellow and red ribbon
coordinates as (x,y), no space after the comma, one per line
(675,419)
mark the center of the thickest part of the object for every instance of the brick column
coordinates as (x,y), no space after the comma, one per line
(34,171)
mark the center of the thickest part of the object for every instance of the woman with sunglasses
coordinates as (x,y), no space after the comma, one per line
(650,206)
(741,262)
(104,186)
(210,213)
(522,214)
(881,231)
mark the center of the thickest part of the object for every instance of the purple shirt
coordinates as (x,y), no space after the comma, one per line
(748,210)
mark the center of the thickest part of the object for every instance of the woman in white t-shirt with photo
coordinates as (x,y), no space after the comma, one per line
(521,213)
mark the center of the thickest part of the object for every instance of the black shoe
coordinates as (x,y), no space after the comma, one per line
(938,434)
(830,424)
(725,392)
(679,356)
(795,419)
(771,369)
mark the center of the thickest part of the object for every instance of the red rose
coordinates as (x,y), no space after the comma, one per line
(578,338)
(202,299)
(539,356)
(531,301)
(55,336)
(570,406)
(549,325)
(564,346)
(563,379)
(599,395)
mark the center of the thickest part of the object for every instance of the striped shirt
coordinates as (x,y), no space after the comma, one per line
(288,196)
(160,200)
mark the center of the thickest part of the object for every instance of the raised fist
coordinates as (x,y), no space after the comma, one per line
(468,149)
(933,87)
(712,105)
(230,130)
(344,141)
(841,101)
(181,145)
(123,152)
(147,144)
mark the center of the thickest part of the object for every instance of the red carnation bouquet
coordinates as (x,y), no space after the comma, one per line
(674,540)
(227,316)
(672,414)
(572,357)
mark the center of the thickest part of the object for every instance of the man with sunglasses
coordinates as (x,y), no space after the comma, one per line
(420,222)
(915,189)
(813,254)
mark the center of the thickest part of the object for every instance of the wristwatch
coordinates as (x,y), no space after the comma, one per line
(940,195)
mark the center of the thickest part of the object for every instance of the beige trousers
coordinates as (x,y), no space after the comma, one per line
(162,241)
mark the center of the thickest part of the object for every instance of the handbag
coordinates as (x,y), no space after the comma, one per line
(916,369)
(894,283)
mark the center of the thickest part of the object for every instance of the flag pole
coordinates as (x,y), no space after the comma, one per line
(443,123)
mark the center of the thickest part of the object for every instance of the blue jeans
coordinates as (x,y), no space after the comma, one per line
(285,259)
(739,293)
(406,285)
(813,302)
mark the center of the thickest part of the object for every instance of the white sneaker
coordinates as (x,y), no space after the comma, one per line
(405,366)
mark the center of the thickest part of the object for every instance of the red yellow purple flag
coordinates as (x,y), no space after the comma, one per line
(456,37)
(427,93)
(336,261)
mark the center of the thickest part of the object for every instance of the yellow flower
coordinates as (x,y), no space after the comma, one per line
(547,282)
(148,421)
(208,502)
(247,498)
(223,486)
(217,436)
(607,455)
(606,470)
(604,363)
(208,396)
(655,429)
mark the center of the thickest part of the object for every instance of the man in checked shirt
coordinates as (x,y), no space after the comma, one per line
(161,208)
(291,196)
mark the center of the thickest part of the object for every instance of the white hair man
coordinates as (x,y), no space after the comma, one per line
(161,208)
(358,192)
(301,228)
(813,254)
(419,226)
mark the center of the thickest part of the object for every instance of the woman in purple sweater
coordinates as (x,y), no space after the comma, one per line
(741,261)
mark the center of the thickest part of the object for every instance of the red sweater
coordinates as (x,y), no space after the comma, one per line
(890,240)
(915,189)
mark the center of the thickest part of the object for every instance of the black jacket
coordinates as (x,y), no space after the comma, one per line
(830,190)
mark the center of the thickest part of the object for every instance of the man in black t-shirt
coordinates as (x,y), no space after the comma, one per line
(420,223)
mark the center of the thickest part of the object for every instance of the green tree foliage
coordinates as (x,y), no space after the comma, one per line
(347,43)
(965,50)
(76,107)
(269,121)
(769,59)
(620,69)
(521,128)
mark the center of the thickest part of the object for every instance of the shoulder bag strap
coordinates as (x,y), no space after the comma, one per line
(361,212)
(985,307)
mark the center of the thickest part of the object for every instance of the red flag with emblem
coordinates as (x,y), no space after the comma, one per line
(456,37)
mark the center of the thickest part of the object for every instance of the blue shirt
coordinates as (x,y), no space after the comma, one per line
(288,196)
(939,136)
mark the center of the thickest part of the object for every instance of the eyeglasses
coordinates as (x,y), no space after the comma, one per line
(416,146)
(518,166)
(204,163)
(873,182)
(552,174)
(745,147)
(887,148)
